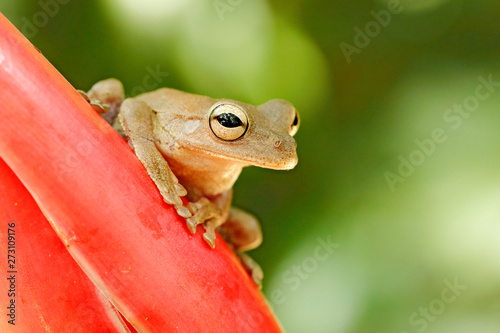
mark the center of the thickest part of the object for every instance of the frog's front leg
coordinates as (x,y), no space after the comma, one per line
(136,119)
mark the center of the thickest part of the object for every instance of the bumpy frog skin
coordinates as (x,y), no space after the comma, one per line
(195,147)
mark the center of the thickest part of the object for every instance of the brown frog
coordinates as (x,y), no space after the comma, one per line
(195,147)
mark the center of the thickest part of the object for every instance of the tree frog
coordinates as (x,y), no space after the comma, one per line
(195,147)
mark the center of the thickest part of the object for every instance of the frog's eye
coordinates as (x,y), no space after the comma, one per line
(228,121)
(294,127)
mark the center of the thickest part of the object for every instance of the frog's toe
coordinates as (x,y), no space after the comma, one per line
(252,267)
(257,276)
(192,223)
(180,190)
(183,211)
(172,199)
(84,95)
(95,104)
(100,107)
(209,237)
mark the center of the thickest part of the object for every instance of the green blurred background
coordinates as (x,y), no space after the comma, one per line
(419,252)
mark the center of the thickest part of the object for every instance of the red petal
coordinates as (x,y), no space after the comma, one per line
(109,213)
(50,293)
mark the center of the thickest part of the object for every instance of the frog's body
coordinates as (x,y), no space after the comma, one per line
(196,146)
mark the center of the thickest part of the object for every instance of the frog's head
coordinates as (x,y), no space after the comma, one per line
(261,136)
(229,130)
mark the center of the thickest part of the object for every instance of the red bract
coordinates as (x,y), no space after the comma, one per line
(43,290)
(108,212)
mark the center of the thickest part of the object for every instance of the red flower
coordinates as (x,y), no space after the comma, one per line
(109,215)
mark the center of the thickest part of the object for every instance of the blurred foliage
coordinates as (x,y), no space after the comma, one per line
(397,250)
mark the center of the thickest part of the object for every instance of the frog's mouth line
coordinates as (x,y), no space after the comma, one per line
(266,164)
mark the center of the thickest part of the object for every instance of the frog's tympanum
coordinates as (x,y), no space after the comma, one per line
(195,147)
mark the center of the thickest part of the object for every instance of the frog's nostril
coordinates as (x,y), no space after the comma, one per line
(277,144)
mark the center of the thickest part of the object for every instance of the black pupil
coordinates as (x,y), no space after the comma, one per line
(229,120)
(295,121)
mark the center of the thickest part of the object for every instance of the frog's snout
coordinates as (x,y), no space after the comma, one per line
(286,149)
